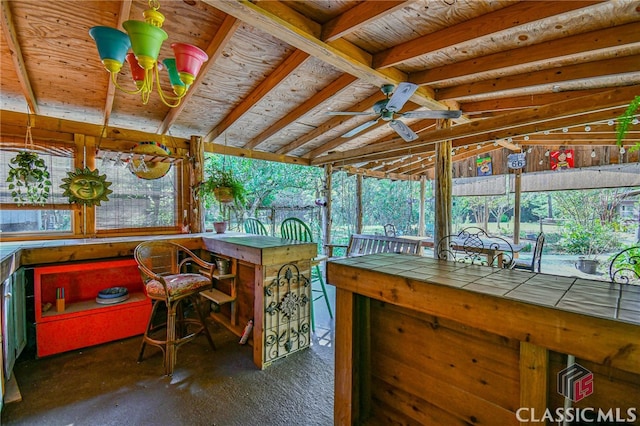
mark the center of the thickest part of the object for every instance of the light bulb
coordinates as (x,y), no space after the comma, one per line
(587,128)
(593,153)
(622,150)
(526,138)
(610,122)
(546,154)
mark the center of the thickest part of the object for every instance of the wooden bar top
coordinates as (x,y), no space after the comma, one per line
(594,319)
(260,249)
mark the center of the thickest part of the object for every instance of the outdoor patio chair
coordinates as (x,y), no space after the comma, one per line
(294,229)
(390,230)
(532,265)
(254,226)
(162,265)
(625,266)
(475,246)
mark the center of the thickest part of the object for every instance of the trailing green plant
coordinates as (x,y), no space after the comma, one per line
(28,179)
(625,120)
(221,178)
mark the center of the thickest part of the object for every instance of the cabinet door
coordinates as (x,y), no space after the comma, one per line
(19,311)
(8,343)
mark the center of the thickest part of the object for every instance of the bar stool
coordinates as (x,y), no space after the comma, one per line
(161,264)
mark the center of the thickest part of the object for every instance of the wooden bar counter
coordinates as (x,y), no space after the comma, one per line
(272,289)
(431,342)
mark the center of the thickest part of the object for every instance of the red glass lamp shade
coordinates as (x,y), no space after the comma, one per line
(189,59)
(137,72)
(112,46)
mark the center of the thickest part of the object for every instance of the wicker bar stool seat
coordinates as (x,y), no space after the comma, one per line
(161,265)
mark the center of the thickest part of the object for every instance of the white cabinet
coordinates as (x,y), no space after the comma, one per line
(14,321)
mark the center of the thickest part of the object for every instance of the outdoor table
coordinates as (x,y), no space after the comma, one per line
(491,248)
(428,341)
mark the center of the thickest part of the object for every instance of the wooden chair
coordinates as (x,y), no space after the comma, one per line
(625,266)
(390,230)
(294,229)
(475,246)
(532,265)
(254,226)
(162,265)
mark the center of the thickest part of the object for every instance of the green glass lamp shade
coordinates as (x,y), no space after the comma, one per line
(189,59)
(174,77)
(146,41)
(112,46)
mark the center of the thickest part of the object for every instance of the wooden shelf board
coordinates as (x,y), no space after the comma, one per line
(217,296)
(88,305)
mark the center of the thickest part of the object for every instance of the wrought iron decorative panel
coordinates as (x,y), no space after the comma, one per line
(287,316)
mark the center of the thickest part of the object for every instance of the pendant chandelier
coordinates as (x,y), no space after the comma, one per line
(145,40)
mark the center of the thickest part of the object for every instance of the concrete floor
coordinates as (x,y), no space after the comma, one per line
(104,385)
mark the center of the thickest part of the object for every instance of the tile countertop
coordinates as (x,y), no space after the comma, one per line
(594,298)
(10,251)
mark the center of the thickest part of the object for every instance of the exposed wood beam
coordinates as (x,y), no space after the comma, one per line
(289,26)
(286,67)
(13,44)
(333,122)
(582,110)
(123,15)
(504,86)
(256,155)
(227,28)
(356,17)
(546,55)
(524,101)
(502,19)
(332,89)
(380,175)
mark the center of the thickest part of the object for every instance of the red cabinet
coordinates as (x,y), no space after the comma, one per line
(84,322)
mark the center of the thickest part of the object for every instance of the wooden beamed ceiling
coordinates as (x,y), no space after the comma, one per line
(523,73)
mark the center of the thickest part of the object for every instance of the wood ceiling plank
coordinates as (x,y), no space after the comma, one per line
(598,107)
(331,90)
(339,53)
(555,76)
(524,101)
(16,56)
(356,17)
(543,54)
(214,50)
(502,19)
(291,63)
(123,15)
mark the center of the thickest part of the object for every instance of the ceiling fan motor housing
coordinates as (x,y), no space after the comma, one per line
(380,107)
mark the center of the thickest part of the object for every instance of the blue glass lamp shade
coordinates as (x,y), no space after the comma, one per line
(146,41)
(112,46)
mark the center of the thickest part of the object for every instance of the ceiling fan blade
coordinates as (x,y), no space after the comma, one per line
(403,130)
(350,113)
(401,95)
(360,128)
(432,114)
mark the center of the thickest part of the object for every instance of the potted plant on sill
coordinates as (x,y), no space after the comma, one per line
(588,242)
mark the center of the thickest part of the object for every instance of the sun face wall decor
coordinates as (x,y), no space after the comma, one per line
(86,187)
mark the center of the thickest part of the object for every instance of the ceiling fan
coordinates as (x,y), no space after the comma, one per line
(387,108)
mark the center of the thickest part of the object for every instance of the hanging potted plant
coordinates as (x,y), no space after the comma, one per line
(28,179)
(224,187)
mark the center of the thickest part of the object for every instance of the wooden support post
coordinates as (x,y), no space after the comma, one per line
(79,210)
(90,162)
(359,179)
(328,220)
(345,409)
(516,206)
(421,215)
(443,187)
(534,376)
(195,171)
